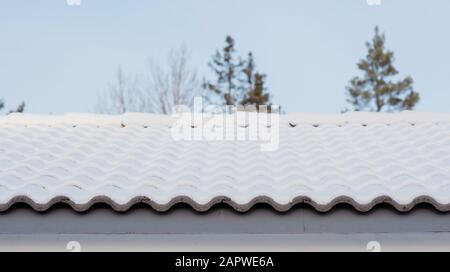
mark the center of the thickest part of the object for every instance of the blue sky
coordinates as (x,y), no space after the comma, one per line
(57,57)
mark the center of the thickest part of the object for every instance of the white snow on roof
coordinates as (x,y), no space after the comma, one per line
(149,118)
(359,158)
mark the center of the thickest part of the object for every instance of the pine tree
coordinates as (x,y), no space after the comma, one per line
(254,85)
(237,80)
(20,108)
(376,90)
(226,65)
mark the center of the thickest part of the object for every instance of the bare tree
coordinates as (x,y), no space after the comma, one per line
(120,96)
(174,84)
(157,90)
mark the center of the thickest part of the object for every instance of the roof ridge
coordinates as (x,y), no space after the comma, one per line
(292,118)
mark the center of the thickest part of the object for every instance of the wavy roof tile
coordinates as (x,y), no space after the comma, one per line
(357,158)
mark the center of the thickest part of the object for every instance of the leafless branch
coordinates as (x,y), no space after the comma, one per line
(158,90)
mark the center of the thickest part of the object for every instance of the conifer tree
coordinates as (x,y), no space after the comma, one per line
(254,85)
(227,66)
(20,108)
(376,90)
(237,81)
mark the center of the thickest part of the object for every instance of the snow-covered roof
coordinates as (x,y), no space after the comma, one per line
(357,158)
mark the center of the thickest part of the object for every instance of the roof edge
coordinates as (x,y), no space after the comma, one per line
(360,207)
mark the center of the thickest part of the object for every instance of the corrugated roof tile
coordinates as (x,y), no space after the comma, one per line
(358,158)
